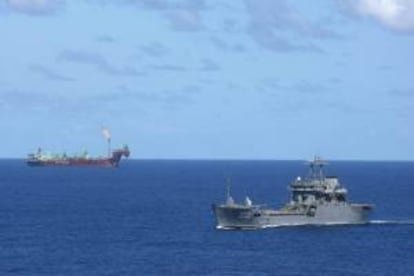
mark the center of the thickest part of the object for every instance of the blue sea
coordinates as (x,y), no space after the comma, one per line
(153,217)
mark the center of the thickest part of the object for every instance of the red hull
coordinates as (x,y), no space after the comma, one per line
(113,161)
(74,162)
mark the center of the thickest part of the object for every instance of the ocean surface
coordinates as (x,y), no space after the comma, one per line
(152,217)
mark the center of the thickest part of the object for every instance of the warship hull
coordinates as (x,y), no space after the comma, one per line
(253,217)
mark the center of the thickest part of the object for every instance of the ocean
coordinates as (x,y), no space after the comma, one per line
(153,217)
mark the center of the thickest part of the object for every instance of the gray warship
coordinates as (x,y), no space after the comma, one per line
(315,200)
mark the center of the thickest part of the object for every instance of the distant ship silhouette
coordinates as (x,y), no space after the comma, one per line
(40,159)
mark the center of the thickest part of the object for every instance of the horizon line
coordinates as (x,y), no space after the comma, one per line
(245,159)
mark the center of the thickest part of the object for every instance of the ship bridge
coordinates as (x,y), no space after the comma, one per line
(316,186)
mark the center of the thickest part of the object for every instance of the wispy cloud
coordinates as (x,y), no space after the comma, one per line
(48,73)
(155,49)
(269,39)
(105,39)
(385,68)
(225,46)
(305,86)
(407,92)
(35,7)
(396,15)
(209,65)
(125,93)
(301,86)
(206,65)
(183,15)
(76,104)
(277,26)
(31,100)
(146,4)
(185,20)
(98,61)
(192,89)
(157,4)
(168,67)
(271,84)
(43,102)
(335,80)
(231,25)
(170,98)
(82,57)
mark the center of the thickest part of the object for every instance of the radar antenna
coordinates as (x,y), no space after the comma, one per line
(316,168)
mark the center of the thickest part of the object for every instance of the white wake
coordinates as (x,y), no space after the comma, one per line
(393,222)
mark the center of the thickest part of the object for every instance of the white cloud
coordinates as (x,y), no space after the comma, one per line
(279,26)
(395,14)
(34,7)
(183,15)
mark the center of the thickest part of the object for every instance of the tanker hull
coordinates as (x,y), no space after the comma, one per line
(41,160)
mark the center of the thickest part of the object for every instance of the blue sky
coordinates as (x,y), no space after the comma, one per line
(245,79)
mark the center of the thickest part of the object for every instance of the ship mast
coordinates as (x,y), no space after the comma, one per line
(228,180)
(229,198)
(316,168)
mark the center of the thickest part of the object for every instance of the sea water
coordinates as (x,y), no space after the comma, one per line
(153,217)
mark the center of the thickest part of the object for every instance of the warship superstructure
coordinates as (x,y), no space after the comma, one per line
(315,200)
